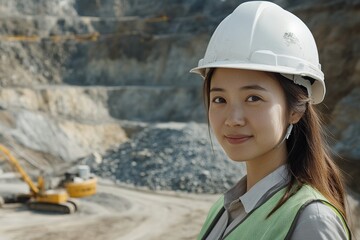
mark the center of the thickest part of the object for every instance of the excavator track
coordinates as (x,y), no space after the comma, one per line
(74,203)
(65,208)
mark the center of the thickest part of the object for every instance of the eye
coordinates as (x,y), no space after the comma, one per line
(253,99)
(218,100)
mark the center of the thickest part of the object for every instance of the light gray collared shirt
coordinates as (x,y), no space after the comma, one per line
(316,222)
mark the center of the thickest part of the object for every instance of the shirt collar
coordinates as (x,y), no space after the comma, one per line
(234,192)
(254,195)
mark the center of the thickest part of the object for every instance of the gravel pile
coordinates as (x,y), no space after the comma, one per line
(171,156)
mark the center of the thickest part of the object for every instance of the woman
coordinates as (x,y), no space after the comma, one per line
(262,77)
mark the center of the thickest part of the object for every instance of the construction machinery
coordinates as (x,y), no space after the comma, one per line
(74,185)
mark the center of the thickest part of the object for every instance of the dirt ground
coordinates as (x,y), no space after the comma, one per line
(115,213)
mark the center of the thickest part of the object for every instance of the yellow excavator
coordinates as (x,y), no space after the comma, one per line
(75,185)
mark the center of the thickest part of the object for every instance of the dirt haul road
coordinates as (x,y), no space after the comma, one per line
(113,213)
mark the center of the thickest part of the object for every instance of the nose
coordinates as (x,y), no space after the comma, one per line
(235,117)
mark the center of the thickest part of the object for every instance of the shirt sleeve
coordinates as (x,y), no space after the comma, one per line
(319,222)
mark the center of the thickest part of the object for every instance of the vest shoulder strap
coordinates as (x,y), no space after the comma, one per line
(277,226)
(214,214)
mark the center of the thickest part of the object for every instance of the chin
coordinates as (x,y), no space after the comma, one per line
(237,158)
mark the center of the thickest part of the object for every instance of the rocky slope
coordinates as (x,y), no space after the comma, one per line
(171,156)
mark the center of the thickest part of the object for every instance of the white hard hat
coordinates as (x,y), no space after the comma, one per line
(262,36)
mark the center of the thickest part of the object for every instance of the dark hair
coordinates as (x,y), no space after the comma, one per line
(309,161)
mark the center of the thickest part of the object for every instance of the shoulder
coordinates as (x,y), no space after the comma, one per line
(318,221)
(217,207)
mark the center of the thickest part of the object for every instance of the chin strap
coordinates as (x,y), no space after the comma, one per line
(287,135)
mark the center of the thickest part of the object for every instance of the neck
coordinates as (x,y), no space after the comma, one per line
(259,168)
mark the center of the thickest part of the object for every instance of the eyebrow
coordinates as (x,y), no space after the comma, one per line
(249,87)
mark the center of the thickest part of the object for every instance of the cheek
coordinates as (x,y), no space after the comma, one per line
(212,117)
(215,120)
(270,121)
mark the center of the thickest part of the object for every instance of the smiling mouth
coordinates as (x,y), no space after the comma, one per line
(237,139)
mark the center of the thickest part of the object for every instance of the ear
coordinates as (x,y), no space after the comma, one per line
(295,117)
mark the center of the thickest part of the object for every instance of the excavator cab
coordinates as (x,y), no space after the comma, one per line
(80,183)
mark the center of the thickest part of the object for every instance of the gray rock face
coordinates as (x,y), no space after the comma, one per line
(346,124)
(100,43)
(156,104)
(116,8)
(65,139)
(337,39)
(37,7)
(346,128)
(103,104)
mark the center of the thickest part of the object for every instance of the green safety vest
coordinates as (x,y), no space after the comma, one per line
(278,226)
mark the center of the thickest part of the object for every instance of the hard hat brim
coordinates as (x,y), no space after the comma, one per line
(318,87)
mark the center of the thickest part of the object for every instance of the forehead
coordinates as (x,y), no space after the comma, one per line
(239,77)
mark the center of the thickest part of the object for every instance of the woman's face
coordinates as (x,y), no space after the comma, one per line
(247,113)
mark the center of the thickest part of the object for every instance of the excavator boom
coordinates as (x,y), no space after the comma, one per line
(17,166)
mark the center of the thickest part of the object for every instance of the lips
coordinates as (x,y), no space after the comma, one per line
(237,139)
